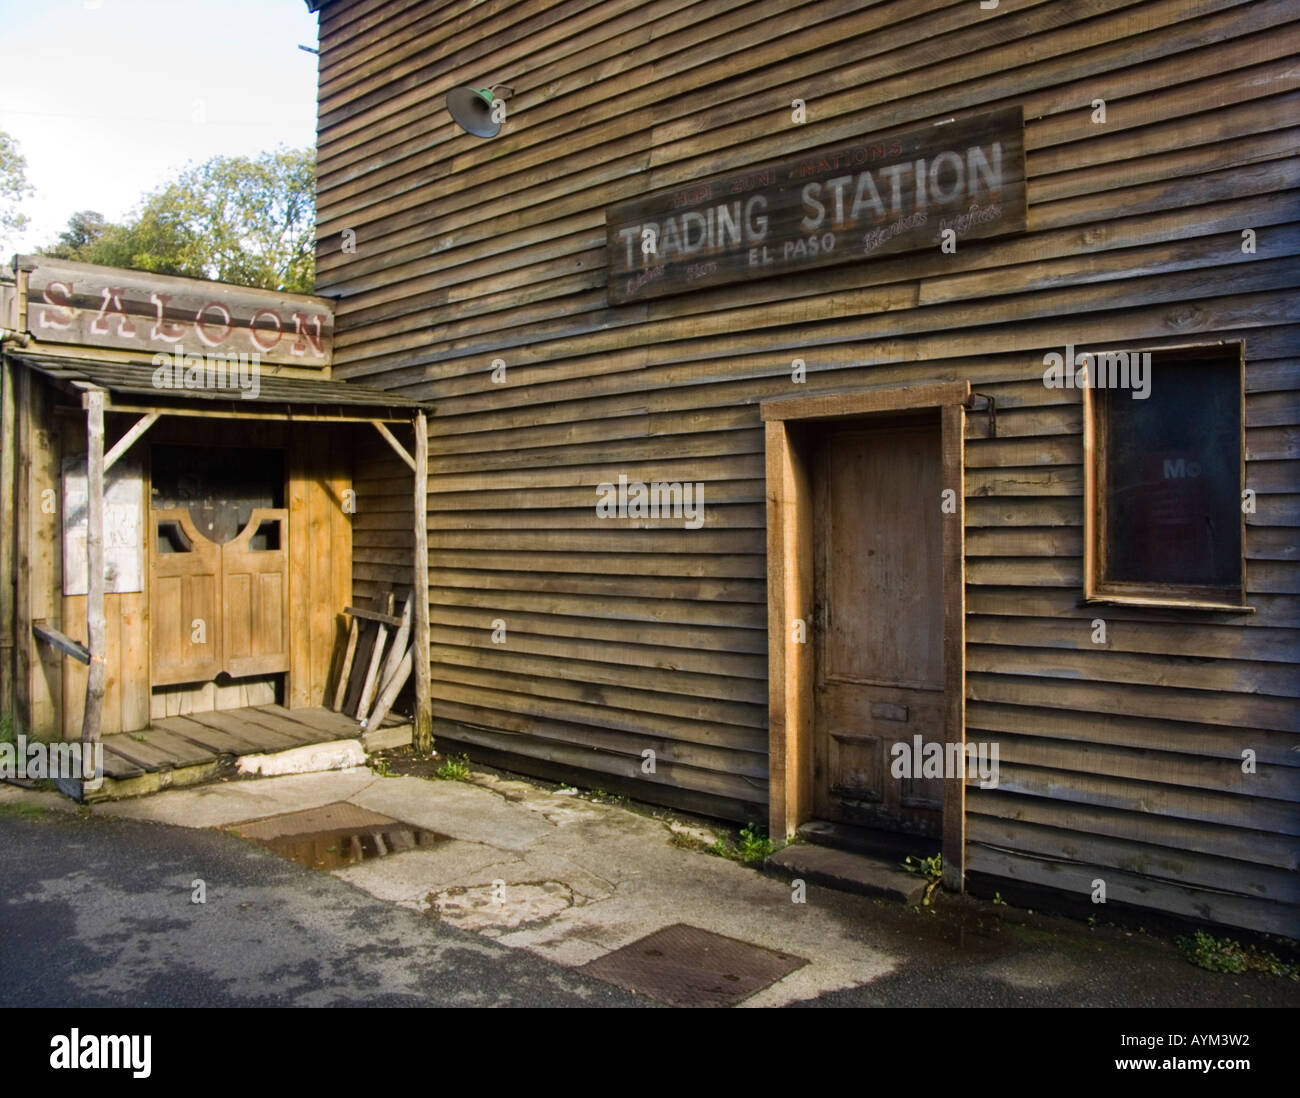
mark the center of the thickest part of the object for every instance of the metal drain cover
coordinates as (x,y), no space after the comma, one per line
(685,966)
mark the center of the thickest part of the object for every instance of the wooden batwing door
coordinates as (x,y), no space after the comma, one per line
(878,589)
(184,592)
(218,608)
(255,596)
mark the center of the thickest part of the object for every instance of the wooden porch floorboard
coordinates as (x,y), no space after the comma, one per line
(244,727)
(198,738)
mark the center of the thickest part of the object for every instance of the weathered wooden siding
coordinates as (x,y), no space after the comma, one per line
(1120,761)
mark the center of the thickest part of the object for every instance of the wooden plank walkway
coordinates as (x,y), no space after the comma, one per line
(198,738)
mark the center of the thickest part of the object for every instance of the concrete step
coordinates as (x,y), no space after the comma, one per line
(889,846)
(846,871)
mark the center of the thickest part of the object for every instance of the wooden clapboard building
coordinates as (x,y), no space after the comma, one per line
(760,462)
(176,477)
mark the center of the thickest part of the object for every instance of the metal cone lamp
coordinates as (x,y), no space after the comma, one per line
(471,108)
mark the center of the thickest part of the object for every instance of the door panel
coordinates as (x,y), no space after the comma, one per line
(879,631)
(238,591)
(255,596)
(184,581)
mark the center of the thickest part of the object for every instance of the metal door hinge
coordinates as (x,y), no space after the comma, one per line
(990,406)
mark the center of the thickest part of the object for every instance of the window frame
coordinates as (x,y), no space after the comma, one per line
(1096,588)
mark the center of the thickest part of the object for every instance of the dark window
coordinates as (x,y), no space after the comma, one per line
(1166,484)
(220,486)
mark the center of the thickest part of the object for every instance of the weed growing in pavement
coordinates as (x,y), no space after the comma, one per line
(454,769)
(930,868)
(754,846)
(1225,955)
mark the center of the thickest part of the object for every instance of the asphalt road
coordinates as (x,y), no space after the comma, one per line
(99,912)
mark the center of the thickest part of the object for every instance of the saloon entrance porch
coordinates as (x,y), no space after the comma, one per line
(180,559)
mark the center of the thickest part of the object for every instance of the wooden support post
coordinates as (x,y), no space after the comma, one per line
(423,733)
(391,439)
(124,443)
(8,454)
(96,624)
(953,418)
(56,638)
(23,522)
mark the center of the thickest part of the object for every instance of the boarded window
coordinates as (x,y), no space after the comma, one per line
(1165,479)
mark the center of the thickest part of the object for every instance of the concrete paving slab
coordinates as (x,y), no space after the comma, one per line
(410,878)
(557,808)
(458,809)
(500,906)
(17,797)
(234,802)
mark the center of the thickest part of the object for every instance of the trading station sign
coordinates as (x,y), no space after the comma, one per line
(840,204)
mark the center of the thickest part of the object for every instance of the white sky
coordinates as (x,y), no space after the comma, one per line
(106,99)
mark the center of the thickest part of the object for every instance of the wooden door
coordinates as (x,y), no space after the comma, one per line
(218,608)
(255,596)
(184,596)
(878,587)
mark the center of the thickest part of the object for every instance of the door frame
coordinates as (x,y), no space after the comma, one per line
(789,447)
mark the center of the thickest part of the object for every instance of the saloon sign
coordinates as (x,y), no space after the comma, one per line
(139,311)
(843,204)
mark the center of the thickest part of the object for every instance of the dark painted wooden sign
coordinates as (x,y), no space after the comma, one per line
(841,204)
(139,311)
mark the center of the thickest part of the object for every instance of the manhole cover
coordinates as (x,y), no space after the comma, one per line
(334,835)
(688,967)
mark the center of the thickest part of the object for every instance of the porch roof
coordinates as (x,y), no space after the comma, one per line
(130,387)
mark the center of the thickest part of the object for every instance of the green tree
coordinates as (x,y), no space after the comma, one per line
(85,229)
(13,187)
(249,221)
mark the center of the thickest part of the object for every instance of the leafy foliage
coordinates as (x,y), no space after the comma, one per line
(930,868)
(1226,955)
(455,769)
(13,187)
(249,221)
(84,231)
(754,846)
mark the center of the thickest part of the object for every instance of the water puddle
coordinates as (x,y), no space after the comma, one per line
(335,835)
